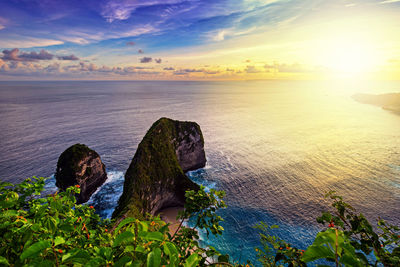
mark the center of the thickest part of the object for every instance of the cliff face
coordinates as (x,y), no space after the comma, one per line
(389,101)
(155,178)
(80,165)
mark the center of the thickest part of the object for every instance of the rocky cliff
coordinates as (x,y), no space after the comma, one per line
(80,165)
(156,176)
(389,101)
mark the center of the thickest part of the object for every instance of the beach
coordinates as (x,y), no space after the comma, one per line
(169,215)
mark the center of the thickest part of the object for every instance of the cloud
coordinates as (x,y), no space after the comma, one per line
(33,56)
(288,68)
(136,31)
(55,67)
(130,43)
(252,69)
(28,42)
(21,68)
(1,27)
(158,60)
(140,51)
(223,34)
(389,1)
(192,70)
(3,66)
(220,35)
(169,68)
(94,69)
(76,40)
(81,70)
(10,54)
(189,71)
(122,9)
(146,60)
(211,71)
(70,57)
(16,55)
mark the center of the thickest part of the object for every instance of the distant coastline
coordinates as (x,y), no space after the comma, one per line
(390,101)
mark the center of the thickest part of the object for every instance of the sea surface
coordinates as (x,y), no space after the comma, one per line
(275,147)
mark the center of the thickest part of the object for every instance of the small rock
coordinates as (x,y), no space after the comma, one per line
(80,165)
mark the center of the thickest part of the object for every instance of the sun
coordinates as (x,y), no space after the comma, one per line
(348,54)
(351,56)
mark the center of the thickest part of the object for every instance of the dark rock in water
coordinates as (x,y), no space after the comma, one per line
(156,176)
(80,165)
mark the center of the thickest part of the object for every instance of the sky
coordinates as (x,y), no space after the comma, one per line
(199,39)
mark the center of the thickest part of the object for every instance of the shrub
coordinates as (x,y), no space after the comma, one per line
(54,231)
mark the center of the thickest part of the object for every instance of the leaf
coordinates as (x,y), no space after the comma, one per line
(58,240)
(326,237)
(192,260)
(350,260)
(396,252)
(106,252)
(123,223)
(4,261)
(95,262)
(144,226)
(76,256)
(164,229)
(157,236)
(317,252)
(140,249)
(223,258)
(9,213)
(66,227)
(154,258)
(50,223)
(35,249)
(137,263)
(125,236)
(122,261)
(46,263)
(170,249)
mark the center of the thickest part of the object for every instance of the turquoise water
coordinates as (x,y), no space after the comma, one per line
(275,147)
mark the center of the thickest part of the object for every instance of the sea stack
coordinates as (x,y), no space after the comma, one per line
(80,165)
(156,178)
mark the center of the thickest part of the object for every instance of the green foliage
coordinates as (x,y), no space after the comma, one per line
(349,240)
(54,231)
(276,251)
(332,245)
(202,206)
(384,243)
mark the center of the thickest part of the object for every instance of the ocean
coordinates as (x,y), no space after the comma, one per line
(275,147)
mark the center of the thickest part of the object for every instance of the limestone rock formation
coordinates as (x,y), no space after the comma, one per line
(80,165)
(156,176)
(390,101)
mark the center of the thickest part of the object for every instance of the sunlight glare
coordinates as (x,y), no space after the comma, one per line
(349,55)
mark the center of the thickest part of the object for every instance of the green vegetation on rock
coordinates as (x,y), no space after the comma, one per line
(155,179)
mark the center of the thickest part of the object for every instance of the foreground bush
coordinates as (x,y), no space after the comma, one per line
(349,240)
(54,231)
